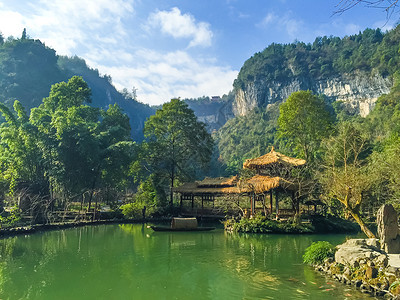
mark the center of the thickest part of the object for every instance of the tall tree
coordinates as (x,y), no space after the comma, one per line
(177,144)
(304,121)
(345,176)
(72,147)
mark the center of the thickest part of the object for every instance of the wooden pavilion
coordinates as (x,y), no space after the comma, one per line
(268,180)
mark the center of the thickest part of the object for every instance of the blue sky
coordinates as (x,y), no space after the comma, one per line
(178,48)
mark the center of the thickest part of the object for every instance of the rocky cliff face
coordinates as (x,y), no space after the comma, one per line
(359,91)
(213,113)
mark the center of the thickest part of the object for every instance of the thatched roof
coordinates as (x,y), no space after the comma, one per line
(193,188)
(256,184)
(261,184)
(220,185)
(218,182)
(270,158)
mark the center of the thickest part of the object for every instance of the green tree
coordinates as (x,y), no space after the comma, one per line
(23,37)
(177,144)
(345,176)
(304,120)
(72,147)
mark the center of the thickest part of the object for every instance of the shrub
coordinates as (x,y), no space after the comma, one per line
(134,210)
(318,252)
(261,224)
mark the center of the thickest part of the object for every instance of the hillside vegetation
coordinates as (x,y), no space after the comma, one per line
(28,68)
(370,50)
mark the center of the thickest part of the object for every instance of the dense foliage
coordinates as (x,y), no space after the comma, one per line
(64,148)
(177,145)
(247,136)
(262,224)
(318,252)
(304,121)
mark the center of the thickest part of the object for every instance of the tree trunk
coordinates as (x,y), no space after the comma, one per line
(171,196)
(360,222)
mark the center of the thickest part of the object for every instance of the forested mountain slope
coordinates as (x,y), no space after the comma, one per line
(28,69)
(351,73)
(355,69)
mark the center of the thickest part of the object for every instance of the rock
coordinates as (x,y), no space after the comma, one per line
(388,229)
(358,91)
(371,272)
(328,260)
(356,251)
(365,288)
(379,293)
(382,260)
(393,270)
(385,285)
(371,263)
(357,283)
(374,243)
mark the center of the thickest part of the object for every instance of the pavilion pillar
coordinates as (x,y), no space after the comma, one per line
(252,204)
(276,203)
(297,201)
(192,201)
(264,196)
(270,202)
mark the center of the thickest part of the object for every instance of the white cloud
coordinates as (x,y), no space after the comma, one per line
(179,25)
(161,77)
(351,28)
(65,25)
(98,32)
(291,25)
(269,18)
(11,23)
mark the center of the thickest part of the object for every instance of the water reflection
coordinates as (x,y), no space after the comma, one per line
(111,262)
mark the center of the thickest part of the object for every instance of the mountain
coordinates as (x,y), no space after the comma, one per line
(356,70)
(28,69)
(214,111)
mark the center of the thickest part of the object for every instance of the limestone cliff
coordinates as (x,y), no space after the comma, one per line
(359,91)
(213,112)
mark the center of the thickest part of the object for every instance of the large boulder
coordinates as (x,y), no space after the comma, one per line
(352,251)
(388,229)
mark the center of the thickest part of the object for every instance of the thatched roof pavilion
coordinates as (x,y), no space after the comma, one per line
(214,186)
(272,158)
(271,170)
(258,184)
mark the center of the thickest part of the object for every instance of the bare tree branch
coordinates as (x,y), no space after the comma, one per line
(389,6)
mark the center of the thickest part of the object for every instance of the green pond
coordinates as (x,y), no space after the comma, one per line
(133,262)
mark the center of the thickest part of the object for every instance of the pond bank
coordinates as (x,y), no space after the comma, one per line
(313,224)
(12,231)
(28,229)
(361,263)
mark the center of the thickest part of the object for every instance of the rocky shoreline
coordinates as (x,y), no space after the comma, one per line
(362,264)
